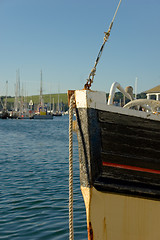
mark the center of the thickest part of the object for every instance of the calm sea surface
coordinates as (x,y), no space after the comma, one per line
(34,181)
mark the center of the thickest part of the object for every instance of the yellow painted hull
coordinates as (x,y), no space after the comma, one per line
(119,217)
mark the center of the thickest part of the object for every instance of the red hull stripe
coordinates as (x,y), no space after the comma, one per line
(131,167)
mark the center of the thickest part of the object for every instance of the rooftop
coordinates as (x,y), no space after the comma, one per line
(154,90)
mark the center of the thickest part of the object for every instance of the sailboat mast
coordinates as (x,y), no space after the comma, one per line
(58,102)
(41,93)
(53,106)
(5,104)
(50,103)
(17,91)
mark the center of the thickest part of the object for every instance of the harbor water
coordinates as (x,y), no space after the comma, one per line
(34,181)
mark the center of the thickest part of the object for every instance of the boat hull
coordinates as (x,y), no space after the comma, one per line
(42,117)
(119,168)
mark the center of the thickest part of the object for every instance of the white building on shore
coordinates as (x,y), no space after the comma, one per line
(153,93)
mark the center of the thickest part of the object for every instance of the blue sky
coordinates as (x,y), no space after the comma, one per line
(63,38)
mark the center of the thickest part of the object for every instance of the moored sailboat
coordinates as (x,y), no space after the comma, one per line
(41,112)
(57,113)
(4,114)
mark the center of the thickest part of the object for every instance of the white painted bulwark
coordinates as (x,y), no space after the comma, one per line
(97,100)
(90,99)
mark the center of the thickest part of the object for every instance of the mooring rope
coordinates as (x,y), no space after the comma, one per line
(71,232)
(107,34)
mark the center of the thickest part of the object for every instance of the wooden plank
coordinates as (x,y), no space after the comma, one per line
(126,120)
(138,161)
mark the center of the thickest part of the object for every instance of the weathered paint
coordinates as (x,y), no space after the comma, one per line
(90,232)
(89,99)
(118,217)
(117,155)
(122,200)
(70,93)
(97,100)
(86,192)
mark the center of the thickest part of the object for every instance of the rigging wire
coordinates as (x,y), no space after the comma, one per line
(107,34)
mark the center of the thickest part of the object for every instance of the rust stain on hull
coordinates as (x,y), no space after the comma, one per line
(105,228)
(90,232)
(86,192)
